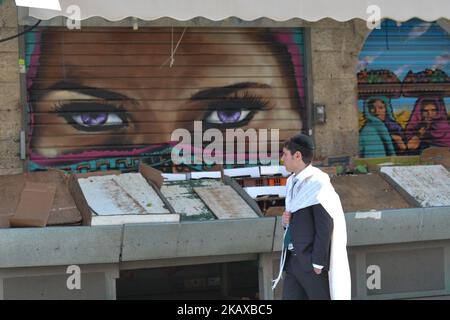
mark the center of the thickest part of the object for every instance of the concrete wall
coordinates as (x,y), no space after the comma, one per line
(409,247)
(10,113)
(335,48)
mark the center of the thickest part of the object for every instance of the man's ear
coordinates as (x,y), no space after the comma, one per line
(298,155)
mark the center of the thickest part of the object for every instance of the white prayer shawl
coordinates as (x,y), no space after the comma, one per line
(314,187)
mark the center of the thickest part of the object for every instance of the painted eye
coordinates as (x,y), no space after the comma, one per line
(227,116)
(234,112)
(105,117)
(93,119)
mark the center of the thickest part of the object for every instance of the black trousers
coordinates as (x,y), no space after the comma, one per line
(302,285)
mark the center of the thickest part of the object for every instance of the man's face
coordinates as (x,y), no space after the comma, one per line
(99,91)
(290,161)
(429,113)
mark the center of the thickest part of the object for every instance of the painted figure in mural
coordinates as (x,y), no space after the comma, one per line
(428,125)
(100,94)
(381,135)
(405,65)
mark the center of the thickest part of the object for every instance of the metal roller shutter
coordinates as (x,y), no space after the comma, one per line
(404,89)
(108,98)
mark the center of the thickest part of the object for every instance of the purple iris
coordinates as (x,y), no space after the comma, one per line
(93,119)
(230,116)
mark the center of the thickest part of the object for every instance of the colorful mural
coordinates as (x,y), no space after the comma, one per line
(108,98)
(404,88)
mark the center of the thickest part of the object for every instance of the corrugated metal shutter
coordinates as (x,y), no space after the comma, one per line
(107,98)
(404,87)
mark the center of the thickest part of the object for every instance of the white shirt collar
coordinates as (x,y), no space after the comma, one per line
(305,173)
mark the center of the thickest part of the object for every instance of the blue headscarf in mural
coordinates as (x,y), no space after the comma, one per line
(375,136)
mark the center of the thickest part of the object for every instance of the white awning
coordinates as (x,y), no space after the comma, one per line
(279,10)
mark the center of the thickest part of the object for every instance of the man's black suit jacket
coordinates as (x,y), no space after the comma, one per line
(311,230)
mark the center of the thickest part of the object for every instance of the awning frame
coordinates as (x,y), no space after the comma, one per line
(245,12)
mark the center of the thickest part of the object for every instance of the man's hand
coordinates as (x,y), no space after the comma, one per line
(286,218)
(317,271)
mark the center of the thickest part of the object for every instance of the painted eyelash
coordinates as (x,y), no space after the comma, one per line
(250,99)
(60,107)
(253,105)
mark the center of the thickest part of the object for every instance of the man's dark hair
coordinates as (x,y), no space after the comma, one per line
(304,144)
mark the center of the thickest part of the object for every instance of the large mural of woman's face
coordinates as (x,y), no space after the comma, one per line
(109,98)
(404,89)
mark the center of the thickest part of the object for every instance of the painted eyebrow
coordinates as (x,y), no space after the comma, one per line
(221,92)
(90,91)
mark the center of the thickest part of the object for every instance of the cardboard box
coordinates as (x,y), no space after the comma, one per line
(153,178)
(20,205)
(36,201)
(274,211)
(4,221)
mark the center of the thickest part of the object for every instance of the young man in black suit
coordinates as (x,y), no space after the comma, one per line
(312,208)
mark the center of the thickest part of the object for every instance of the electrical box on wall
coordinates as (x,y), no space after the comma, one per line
(319,114)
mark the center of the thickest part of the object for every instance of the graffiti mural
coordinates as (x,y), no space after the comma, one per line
(104,98)
(403,89)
